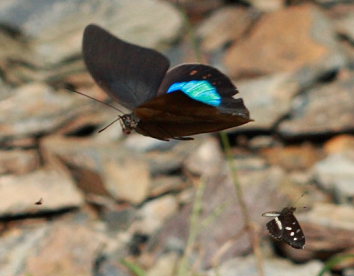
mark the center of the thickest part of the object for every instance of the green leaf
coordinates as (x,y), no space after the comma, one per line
(137,270)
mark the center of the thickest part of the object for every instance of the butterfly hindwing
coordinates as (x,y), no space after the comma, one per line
(129,73)
(206,84)
(192,99)
(274,229)
(176,115)
(292,232)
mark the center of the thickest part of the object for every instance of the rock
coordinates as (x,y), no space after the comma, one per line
(19,193)
(320,111)
(18,161)
(56,27)
(17,246)
(165,266)
(5,91)
(328,228)
(344,26)
(220,207)
(35,108)
(166,184)
(169,162)
(66,249)
(246,266)
(267,6)
(12,47)
(102,168)
(233,21)
(269,49)
(156,212)
(262,141)
(292,157)
(329,215)
(206,159)
(268,99)
(127,178)
(197,8)
(340,144)
(118,218)
(140,143)
(335,173)
(112,267)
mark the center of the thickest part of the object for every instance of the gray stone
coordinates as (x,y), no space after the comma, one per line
(18,161)
(308,45)
(102,168)
(12,47)
(345,26)
(63,247)
(321,111)
(35,108)
(329,215)
(206,159)
(155,213)
(140,143)
(165,266)
(267,6)
(17,246)
(56,26)
(19,193)
(273,267)
(336,174)
(268,99)
(233,21)
(220,207)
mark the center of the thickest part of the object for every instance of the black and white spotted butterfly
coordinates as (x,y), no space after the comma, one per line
(285,227)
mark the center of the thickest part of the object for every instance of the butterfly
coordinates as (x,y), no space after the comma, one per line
(285,227)
(166,104)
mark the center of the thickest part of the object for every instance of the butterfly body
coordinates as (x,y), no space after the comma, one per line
(285,227)
(187,99)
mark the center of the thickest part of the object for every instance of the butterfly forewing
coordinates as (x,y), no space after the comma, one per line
(285,227)
(129,73)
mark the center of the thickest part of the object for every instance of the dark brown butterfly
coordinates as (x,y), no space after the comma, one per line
(285,227)
(185,100)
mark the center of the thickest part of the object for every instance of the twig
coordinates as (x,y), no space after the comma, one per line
(250,227)
(183,268)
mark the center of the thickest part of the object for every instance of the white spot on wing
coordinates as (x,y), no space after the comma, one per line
(278,222)
(292,234)
(288,228)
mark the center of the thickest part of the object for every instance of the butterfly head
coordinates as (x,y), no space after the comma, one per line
(129,122)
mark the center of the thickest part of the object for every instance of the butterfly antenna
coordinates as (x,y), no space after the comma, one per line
(301,196)
(92,98)
(107,126)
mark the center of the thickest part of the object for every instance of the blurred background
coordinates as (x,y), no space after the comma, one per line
(77,202)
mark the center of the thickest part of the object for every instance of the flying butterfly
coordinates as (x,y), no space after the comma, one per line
(166,104)
(285,227)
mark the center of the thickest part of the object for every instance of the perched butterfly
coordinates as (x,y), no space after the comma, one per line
(285,227)
(188,99)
